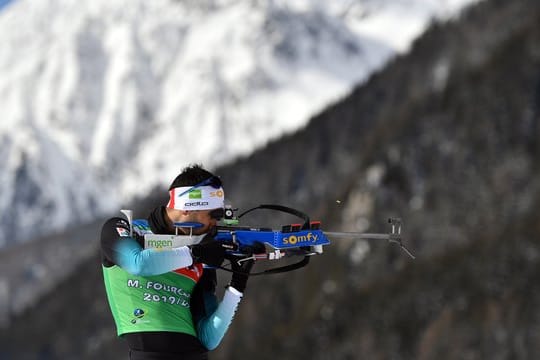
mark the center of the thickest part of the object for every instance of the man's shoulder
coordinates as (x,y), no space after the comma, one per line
(116,222)
(122,227)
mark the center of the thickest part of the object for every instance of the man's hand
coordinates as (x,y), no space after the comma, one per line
(242,267)
(240,274)
(209,251)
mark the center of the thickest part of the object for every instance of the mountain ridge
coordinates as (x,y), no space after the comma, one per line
(88,86)
(459,166)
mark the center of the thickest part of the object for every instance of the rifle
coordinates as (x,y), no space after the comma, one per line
(245,243)
(303,239)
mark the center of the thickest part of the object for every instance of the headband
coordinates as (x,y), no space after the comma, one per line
(196,198)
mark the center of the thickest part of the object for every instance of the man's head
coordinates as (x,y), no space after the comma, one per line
(196,195)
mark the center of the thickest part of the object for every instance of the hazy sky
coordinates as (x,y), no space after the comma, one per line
(4,2)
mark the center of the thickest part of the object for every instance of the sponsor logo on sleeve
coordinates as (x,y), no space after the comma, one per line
(122,231)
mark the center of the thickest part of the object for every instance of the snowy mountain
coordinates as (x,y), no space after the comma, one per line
(103,100)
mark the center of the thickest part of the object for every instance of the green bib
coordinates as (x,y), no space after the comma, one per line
(150,303)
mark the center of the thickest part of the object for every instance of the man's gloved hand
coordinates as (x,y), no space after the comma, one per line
(240,274)
(208,251)
(242,269)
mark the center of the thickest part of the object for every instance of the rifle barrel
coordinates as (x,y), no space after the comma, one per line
(354,235)
(394,238)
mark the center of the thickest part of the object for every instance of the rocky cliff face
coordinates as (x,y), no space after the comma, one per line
(446,138)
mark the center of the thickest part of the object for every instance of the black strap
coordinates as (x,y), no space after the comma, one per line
(285,268)
(284,209)
(277,270)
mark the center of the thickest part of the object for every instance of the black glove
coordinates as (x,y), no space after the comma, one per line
(240,273)
(208,251)
(242,267)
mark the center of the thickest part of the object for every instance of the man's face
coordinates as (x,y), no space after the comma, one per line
(209,219)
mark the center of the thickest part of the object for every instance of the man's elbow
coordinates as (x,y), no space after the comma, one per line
(137,271)
(134,267)
(211,345)
(210,337)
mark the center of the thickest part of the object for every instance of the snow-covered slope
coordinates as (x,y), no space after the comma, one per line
(102,100)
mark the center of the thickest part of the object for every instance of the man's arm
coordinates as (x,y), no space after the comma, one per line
(118,248)
(212,326)
(212,319)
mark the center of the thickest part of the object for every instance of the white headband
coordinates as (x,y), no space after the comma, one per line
(196,198)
